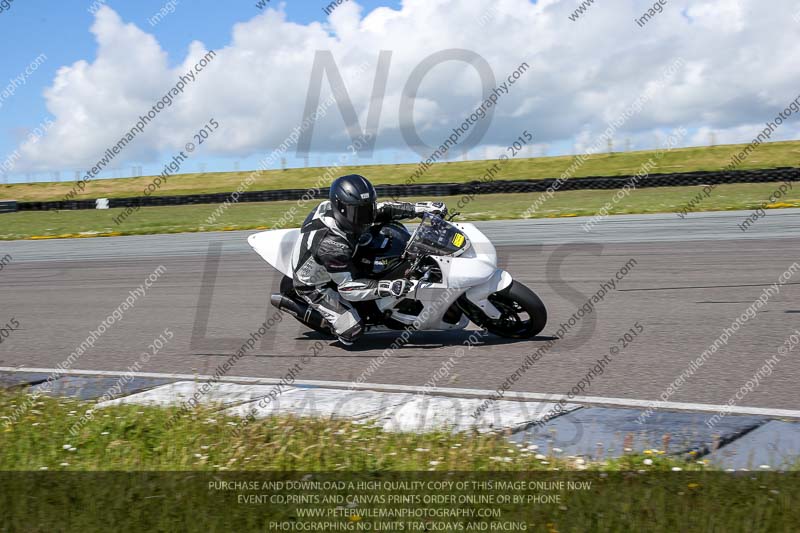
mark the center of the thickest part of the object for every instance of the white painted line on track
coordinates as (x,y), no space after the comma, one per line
(461,393)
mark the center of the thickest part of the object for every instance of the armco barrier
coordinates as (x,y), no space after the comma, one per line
(450,189)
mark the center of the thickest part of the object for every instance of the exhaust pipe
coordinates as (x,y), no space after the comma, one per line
(300,310)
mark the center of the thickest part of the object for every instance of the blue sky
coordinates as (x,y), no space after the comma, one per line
(60,30)
(101,71)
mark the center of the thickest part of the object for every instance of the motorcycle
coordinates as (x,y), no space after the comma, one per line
(455,280)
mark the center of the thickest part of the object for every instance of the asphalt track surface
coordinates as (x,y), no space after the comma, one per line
(692,278)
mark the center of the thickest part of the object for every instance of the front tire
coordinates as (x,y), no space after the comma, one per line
(523,313)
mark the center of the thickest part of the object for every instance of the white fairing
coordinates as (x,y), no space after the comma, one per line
(476,270)
(436,299)
(479,295)
(473,273)
(276,247)
(475,266)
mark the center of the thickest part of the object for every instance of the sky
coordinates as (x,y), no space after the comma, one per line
(75,78)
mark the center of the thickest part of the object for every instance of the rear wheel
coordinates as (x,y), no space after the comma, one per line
(523,315)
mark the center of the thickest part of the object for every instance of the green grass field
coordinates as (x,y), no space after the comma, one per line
(178,219)
(127,463)
(39,433)
(780,154)
(129,438)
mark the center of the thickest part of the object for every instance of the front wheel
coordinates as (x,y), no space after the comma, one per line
(523,313)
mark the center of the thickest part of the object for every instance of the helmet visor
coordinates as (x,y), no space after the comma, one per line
(361,216)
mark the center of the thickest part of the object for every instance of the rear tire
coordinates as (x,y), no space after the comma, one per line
(523,313)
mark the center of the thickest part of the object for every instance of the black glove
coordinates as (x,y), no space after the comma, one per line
(434,208)
(397,288)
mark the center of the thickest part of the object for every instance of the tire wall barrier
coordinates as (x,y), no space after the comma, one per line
(447,189)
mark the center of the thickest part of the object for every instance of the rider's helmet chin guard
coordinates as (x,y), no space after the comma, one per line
(354,203)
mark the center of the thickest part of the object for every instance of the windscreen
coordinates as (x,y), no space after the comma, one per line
(436,236)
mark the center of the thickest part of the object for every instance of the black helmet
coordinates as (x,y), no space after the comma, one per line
(354,201)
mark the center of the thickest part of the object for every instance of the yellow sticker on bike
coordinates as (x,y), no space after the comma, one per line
(458,239)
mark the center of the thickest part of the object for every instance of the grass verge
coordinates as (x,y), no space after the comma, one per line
(770,155)
(124,466)
(130,438)
(177,219)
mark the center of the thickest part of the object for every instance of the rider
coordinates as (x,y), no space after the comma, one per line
(322,260)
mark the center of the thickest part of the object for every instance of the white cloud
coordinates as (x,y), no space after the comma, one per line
(740,71)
